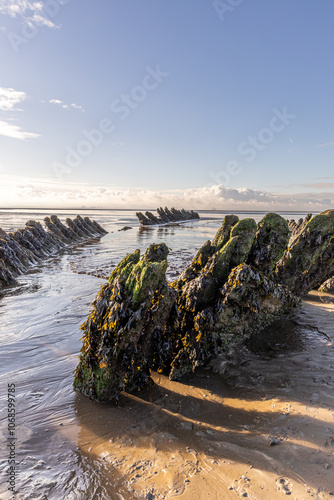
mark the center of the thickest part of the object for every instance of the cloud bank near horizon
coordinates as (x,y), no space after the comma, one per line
(36,193)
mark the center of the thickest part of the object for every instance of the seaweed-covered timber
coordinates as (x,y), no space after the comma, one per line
(327,286)
(166,216)
(248,276)
(28,246)
(297,227)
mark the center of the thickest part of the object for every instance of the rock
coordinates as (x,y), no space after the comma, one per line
(3,235)
(223,234)
(327,286)
(309,260)
(120,336)
(207,251)
(196,266)
(247,303)
(271,239)
(198,290)
(166,216)
(125,228)
(233,252)
(201,291)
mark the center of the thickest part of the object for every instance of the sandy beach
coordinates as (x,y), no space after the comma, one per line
(262,428)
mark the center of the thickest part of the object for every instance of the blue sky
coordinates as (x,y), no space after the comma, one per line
(116,104)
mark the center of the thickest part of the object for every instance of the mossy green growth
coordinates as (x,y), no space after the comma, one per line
(309,260)
(220,265)
(120,341)
(202,256)
(124,268)
(307,248)
(223,234)
(324,223)
(203,259)
(249,302)
(234,252)
(274,223)
(148,274)
(197,265)
(271,240)
(156,253)
(244,227)
(145,278)
(245,231)
(87,376)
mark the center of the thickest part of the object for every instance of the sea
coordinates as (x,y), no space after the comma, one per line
(40,342)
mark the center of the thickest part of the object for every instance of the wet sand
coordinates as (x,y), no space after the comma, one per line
(260,426)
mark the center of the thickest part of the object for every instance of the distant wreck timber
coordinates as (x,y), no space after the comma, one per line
(26,247)
(239,283)
(327,286)
(297,227)
(166,216)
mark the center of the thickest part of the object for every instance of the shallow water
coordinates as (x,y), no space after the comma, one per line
(62,437)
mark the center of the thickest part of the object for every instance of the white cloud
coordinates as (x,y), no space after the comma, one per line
(325,144)
(15,131)
(31,12)
(66,106)
(320,185)
(10,97)
(60,194)
(76,106)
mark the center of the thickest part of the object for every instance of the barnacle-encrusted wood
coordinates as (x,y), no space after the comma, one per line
(121,337)
(28,246)
(166,216)
(236,285)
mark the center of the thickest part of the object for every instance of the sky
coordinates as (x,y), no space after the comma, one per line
(224,104)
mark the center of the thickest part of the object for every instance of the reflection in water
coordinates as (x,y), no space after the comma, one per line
(286,335)
(147,232)
(144,233)
(167,230)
